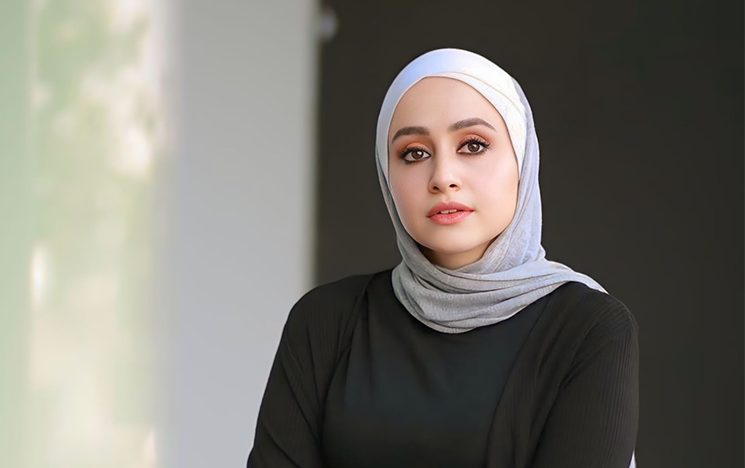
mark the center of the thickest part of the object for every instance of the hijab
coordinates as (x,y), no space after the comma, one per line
(513,271)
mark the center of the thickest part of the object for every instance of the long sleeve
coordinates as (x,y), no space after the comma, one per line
(593,422)
(290,420)
(288,424)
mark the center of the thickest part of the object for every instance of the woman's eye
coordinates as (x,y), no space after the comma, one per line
(416,154)
(475,146)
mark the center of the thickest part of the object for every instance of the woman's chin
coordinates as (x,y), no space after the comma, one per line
(447,255)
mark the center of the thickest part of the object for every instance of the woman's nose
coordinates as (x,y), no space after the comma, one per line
(445,173)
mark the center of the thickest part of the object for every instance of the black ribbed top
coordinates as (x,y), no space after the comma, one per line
(358,382)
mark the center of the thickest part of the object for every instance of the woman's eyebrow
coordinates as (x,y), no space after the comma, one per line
(456,126)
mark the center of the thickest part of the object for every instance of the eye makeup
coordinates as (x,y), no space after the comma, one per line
(471,140)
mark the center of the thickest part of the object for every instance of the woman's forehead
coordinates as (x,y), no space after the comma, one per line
(438,101)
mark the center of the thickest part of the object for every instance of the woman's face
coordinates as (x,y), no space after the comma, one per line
(438,153)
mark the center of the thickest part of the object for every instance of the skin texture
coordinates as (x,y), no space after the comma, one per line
(446,168)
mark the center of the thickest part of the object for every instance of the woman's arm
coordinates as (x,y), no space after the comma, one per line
(288,424)
(593,422)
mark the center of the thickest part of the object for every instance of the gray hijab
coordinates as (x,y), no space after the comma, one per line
(514,271)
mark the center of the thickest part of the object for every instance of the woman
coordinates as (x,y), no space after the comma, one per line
(474,351)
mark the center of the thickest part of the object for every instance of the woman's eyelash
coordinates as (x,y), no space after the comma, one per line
(478,141)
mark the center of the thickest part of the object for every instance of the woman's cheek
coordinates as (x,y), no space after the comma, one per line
(409,210)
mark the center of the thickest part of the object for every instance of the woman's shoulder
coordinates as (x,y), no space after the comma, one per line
(329,306)
(577,305)
(577,322)
(318,326)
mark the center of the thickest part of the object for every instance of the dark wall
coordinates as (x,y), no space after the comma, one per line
(639,113)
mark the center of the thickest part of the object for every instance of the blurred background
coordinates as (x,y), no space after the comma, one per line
(176,174)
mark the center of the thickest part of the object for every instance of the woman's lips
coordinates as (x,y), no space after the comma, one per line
(450,218)
(448,206)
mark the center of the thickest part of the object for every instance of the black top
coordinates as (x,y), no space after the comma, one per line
(358,382)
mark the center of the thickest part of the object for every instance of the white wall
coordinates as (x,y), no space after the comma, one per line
(236,228)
